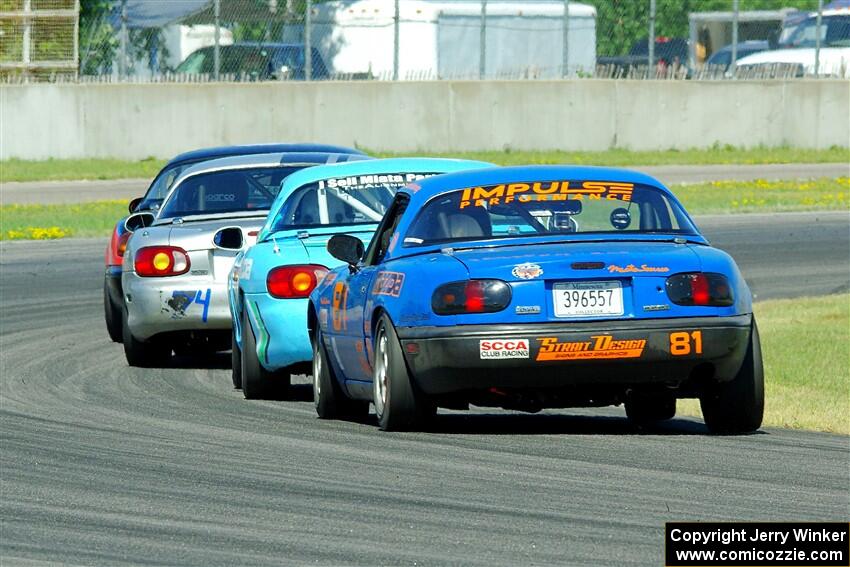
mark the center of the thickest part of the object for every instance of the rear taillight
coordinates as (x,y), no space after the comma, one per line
(702,289)
(292,282)
(471,296)
(121,246)
(160,261)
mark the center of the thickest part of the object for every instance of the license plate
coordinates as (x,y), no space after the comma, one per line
(587,299)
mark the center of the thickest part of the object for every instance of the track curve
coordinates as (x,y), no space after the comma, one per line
(103,464)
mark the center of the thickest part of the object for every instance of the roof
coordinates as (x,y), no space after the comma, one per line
(365,167)
(428,188)
(281,159)
(241,150)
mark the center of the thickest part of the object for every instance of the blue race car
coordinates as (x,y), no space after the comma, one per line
(533,287)
(270,281)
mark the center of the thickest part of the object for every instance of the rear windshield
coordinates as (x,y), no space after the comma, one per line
(357,199)
(227,191)
(551,207)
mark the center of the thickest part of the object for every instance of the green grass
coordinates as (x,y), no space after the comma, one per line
(24,170)
(65,169)
(97,219)
(57,221)
(806,350)
(765,196)
(627,158)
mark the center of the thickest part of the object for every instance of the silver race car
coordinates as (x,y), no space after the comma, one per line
(174,276)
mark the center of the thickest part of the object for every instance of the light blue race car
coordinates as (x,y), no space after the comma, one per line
(270,282)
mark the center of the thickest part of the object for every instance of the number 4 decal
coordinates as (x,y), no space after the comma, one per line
(682,343)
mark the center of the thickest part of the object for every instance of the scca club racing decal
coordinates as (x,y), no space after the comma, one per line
(600,347)
(503,348)
(388,283)
(545,191)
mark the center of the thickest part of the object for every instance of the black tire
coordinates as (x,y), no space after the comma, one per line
(235,362)
(737,406)
(113,316)
(329,399)
(399,405)
(257,382)
(142,354)
(649,410)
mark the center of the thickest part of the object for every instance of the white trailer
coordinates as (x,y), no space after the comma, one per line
(442,38)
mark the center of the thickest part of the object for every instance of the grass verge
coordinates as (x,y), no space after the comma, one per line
(41,222)
(97,219)
(806,350)
(25,170)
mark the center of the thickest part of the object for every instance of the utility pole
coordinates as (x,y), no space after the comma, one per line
(308,41)
(566,71)
(396,24)
(122,63)
(651,40)
(482,61)
(217,48)
(818,25)
(734,36)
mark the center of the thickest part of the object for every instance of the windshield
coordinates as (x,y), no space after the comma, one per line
(160,186)
(357,199)
(226,191)
(834,32)
(551,207)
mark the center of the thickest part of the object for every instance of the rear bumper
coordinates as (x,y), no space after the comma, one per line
(112,279)
(280,326)
(451,359)
(164,305)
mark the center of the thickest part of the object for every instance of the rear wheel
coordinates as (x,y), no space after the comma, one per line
(649,410)
(737,406)
(257,382)
(144,354)
(399,405)
(329,399)
(235,362)
(113,317)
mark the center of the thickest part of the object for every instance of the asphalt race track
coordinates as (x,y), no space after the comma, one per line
(102,464)
(52,192)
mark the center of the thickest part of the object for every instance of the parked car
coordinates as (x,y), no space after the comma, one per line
(113,300)
(722,58)
(535,287)
(271,280)
(669,51)
(175,270)
(256,62)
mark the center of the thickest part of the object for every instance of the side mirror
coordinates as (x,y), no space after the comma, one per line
(229,238)
(347,248)
(135,203)
(138,220)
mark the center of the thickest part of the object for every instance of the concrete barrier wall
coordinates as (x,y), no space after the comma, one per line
(137,121)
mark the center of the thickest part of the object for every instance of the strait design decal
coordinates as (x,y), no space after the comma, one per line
(599,347)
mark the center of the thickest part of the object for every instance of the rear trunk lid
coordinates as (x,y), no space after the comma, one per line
(206,258)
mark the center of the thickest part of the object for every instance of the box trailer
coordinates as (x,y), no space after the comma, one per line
(442,38)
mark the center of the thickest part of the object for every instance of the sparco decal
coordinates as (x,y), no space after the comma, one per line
(600,346)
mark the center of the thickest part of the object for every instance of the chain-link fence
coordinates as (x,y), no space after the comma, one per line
(261,40)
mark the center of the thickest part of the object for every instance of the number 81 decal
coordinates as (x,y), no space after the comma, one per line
(683,342)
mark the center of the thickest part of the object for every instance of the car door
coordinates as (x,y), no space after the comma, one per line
(353,319)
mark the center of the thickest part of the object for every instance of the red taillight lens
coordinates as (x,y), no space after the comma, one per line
(122,243)
(471,296)
(161,261)
(700,289)
(292,282)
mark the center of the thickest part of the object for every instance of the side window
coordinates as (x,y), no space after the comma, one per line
(381,241)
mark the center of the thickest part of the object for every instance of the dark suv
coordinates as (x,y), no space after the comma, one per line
(256,62)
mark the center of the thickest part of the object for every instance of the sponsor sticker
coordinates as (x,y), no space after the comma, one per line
(503,348)
(631,269)
(599,347)
(388,283)
(372,180)
(245,268)
(545,191)
(527,271)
